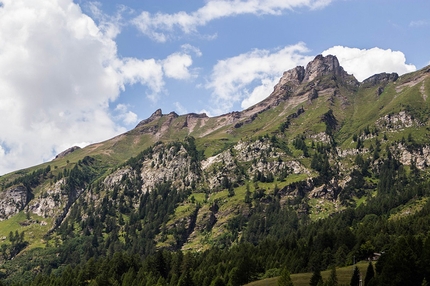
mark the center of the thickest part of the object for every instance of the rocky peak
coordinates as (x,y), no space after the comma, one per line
(172,114)
(196,115)
(294,76)
(156,115)
(322,66)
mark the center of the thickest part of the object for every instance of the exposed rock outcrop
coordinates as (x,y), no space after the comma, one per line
(322,66)
(173,164)
(67,152)
(154,116)
(380,79)
(13,200)
(392,122)
(48,204)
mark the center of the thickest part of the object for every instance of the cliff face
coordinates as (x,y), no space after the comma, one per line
(315,70)
(323,66)
(12,201)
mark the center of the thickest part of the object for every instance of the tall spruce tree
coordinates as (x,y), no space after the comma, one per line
(355,279)
(370,273)
(316,278)
(332,280)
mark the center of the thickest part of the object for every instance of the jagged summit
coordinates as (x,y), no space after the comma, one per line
(322,66)
(159,114)
(322,84)
(156,115)
(323,75)
(319,67)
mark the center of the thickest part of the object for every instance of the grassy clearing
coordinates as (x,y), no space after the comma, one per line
(302,279)
(34,229)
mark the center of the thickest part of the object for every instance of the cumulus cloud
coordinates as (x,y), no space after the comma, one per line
(363,63)
(177,66)
(59,72)
(147,72)
(110,25)
(160,26)
(250,77)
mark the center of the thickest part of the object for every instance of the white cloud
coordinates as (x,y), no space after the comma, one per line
(160,26)
(127,117)
(176,66)
(59,72)
(110,25)
(147,72)
(363,63)
(260,92)
(250,77)
(187,48)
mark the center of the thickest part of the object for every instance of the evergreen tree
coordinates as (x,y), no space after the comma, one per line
(247,195)
(234,277)
(231,192)
(218,282)
(285,278)
(355,279)
(316,278)
(370,273)
(332,280)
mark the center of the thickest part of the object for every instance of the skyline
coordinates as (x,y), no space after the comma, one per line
(76,73)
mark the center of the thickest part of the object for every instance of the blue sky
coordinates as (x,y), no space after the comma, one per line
(79,72)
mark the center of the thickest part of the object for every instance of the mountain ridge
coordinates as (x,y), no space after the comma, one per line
(320,146)
(287,89)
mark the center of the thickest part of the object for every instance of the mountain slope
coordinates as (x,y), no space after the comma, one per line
(321,146)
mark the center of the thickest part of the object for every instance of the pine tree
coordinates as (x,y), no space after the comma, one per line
(285,278)
(217,282)
(332,280)
(370,273)
(316,278)
(355,279)
(247,195)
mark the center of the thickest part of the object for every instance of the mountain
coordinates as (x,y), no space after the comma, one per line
(326,168)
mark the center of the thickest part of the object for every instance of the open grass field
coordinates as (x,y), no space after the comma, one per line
(302,279)
(34,229)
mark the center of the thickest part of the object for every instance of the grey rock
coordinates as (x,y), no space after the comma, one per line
(13,200)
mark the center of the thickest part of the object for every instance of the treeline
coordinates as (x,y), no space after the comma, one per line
(405,263)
